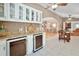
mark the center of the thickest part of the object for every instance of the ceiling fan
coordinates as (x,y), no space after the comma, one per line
(55,5)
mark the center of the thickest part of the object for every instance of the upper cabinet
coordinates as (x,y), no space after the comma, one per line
(1,10)
(12,10)
(19,13)
(27,14)
(36,16)
(32,15)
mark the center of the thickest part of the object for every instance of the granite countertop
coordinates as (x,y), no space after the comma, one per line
(16,35)
(12,36)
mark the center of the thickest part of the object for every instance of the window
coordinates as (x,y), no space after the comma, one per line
(27,13)
(20,12)
(77,25)
(1,9)
(12,10)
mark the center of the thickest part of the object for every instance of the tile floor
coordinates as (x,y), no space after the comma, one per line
(54,47)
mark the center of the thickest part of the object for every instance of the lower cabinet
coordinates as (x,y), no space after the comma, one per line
(29,47)
(44,39)
(3,48)
(29,44)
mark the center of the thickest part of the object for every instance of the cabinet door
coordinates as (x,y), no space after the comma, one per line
(3,48)
(27,14)
(20,12)
(36,16)
(1,9)
(12,10)
(39,16)
(32,15)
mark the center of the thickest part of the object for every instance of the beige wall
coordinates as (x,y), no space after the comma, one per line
(21,27)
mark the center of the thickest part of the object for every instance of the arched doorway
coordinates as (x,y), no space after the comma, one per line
(50,26)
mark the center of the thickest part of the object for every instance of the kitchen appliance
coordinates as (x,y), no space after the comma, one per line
(37,42)
(17,46)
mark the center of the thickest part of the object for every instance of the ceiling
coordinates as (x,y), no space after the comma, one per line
(64,11)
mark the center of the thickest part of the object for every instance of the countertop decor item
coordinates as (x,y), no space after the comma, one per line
(2,30)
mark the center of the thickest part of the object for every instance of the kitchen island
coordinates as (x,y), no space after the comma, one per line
(5,49)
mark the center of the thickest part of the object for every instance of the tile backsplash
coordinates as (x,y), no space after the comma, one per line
(20,27)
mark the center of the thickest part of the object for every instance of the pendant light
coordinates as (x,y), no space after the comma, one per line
(54,6)
(69,18)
